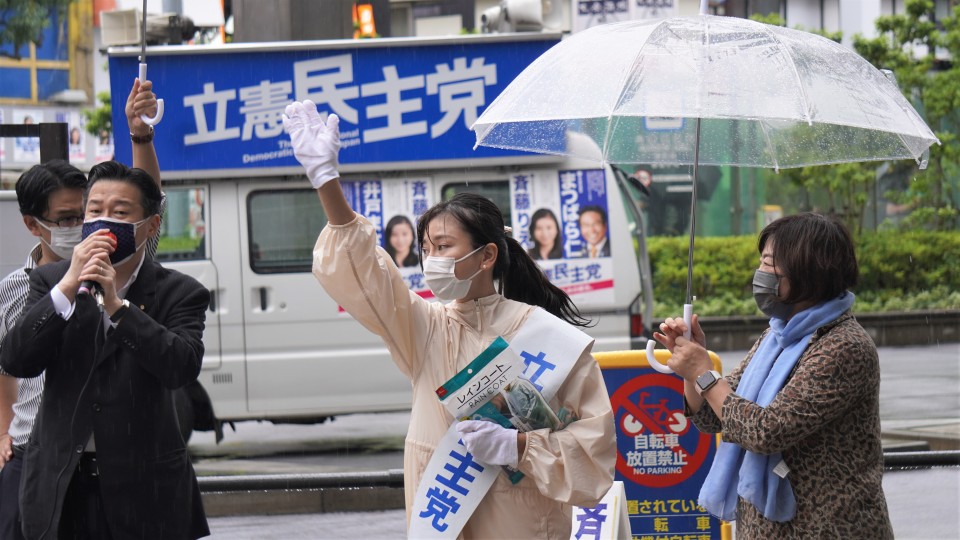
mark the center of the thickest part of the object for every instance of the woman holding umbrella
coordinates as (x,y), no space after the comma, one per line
(801,455)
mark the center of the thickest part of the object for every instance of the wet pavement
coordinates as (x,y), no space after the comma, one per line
(922,502)
(920,409)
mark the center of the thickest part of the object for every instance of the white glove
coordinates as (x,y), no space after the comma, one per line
(315,144)
(490,443)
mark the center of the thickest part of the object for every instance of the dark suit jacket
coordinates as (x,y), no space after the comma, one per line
(120,388)
(604,251)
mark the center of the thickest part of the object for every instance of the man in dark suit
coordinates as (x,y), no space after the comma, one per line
(106,459)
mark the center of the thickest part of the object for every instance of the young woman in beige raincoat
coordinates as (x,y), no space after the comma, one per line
(431,342)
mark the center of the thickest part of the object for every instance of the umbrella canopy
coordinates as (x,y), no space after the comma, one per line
(766,96)
(704,90)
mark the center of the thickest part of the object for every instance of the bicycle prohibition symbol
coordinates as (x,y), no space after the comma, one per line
(656,446)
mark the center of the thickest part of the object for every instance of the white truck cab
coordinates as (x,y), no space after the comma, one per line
(242,219)
(279,349)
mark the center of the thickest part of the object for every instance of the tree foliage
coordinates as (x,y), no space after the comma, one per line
(23,21)
(907,44)
(101,118)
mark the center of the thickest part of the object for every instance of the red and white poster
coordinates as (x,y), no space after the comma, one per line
(561,218)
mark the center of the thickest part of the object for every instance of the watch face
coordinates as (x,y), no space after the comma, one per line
(706,379)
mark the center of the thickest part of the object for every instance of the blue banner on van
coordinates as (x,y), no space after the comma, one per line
(400,102)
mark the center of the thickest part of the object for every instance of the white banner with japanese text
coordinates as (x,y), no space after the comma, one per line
(453,483)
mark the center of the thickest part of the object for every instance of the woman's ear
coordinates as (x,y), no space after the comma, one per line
(490,252)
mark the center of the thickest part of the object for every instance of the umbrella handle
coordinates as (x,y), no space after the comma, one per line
(651,357)
(157,117)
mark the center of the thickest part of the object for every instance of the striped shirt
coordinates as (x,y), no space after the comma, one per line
(13,298)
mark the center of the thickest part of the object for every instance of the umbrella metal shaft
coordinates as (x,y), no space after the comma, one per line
(693,214)
(143,33)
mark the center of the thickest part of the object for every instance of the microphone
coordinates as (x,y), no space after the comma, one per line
(92,287)
(89,286)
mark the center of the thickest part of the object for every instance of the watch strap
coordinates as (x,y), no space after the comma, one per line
(703,384)
(120,312)
(142,139)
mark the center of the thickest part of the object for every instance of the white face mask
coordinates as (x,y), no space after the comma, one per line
(62,241)
(439,273)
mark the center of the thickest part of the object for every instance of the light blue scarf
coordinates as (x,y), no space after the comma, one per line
(736,471)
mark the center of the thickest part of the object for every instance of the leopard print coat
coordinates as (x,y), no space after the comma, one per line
(826,422)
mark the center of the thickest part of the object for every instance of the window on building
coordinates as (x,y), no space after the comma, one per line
(42,70)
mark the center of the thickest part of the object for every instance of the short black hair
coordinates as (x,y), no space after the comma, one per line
(35,186)
(815,252)
(150,195)
(593,208)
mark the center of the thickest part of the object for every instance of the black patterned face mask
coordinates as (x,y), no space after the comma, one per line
(766,289)
(124,231)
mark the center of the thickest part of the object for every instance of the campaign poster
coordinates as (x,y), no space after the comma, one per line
(104,146)
(76,136)
(404,201)
(394,205)
(27,149)
(561,219)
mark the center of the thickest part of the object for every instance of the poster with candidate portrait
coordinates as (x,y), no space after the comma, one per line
(76,136)
(104,150)
(404,201)
(27,149)
(560,218)
(393,208)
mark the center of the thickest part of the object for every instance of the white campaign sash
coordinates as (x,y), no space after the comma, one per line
(608,520)
(453,484)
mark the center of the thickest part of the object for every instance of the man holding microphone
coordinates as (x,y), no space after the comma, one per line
(105,459)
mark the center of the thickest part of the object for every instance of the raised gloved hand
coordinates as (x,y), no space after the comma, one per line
(315,143)
(490,443)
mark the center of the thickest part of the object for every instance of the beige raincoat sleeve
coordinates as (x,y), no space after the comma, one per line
(372,290)
(575,465)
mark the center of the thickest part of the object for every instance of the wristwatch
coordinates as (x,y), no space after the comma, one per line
(118,314)
(142,139)
(707,380)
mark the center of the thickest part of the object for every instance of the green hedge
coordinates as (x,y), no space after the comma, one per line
(898,272)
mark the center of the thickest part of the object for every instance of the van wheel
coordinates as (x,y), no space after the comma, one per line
(185,414)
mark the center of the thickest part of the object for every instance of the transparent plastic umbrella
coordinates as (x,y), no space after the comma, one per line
(705,90)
